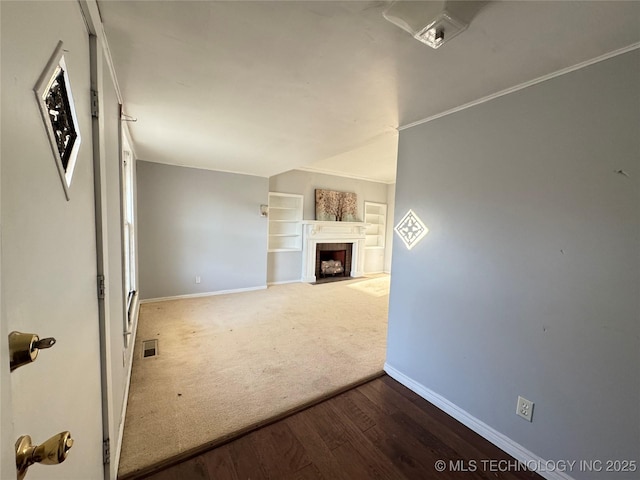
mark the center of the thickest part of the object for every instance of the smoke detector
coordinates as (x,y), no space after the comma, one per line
(433,23)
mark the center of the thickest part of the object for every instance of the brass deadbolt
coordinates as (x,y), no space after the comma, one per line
(24,348)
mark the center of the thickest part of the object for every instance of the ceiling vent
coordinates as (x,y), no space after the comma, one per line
(433,22)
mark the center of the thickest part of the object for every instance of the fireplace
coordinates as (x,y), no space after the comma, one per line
(333,260)
(333,236)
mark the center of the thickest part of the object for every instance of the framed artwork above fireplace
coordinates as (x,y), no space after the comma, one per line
(332,206)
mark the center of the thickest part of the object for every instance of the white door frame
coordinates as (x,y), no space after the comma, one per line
(100,54)
(102,254)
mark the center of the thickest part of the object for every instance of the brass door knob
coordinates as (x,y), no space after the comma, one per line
(51,452)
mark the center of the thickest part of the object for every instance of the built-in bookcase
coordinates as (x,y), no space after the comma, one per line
(375,216)
(285,217)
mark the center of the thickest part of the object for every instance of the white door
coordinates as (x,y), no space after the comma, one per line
(48,264)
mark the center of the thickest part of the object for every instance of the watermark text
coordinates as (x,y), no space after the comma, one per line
(539,466)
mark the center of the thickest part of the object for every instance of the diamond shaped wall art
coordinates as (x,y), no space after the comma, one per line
(411,229)
(53,92)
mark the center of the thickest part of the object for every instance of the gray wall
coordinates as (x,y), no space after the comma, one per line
(199,222)
(287,266)
(528,281)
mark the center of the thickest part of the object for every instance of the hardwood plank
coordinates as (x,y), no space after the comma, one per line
(436,450)
(466,443)
(280,452)
(404,455)
(194,469)
(245,459)
(358,464)
(413,421)
(412,449)
(359,417)
(460,438)
(327,426)
(443,419)
(380,396)
(432,411)
(381,465)
(304,427)
(409,421)
(220,464)
(310,472)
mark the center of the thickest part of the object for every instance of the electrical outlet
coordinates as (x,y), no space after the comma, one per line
(525,408)
(197,278)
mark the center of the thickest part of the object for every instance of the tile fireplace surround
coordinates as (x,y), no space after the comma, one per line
(315,232)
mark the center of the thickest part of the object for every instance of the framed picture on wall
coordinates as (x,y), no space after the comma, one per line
(335,206)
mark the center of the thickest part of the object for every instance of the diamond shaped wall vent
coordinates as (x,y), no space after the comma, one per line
(411,229)
(53,92)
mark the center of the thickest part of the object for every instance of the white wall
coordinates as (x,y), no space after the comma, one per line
(194,222)
(287,266)
(528,281)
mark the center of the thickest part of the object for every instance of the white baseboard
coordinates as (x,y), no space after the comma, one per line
(205,294)
(284,283)
(500,440)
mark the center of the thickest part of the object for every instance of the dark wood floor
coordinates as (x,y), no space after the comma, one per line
(380,430)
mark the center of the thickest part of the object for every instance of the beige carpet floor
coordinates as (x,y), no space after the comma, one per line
(230,362)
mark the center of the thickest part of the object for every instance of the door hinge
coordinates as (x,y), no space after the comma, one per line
(95,104)
(101,286)
(106,451)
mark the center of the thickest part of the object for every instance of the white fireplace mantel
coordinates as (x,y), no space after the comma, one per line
(315,232)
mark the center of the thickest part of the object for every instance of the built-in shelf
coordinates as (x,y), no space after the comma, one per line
(375,216)
(285,217)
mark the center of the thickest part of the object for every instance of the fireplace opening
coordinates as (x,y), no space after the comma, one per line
(333,261)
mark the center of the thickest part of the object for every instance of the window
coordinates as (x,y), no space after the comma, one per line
(129,231)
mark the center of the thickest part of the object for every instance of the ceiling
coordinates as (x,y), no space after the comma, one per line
(264,87)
